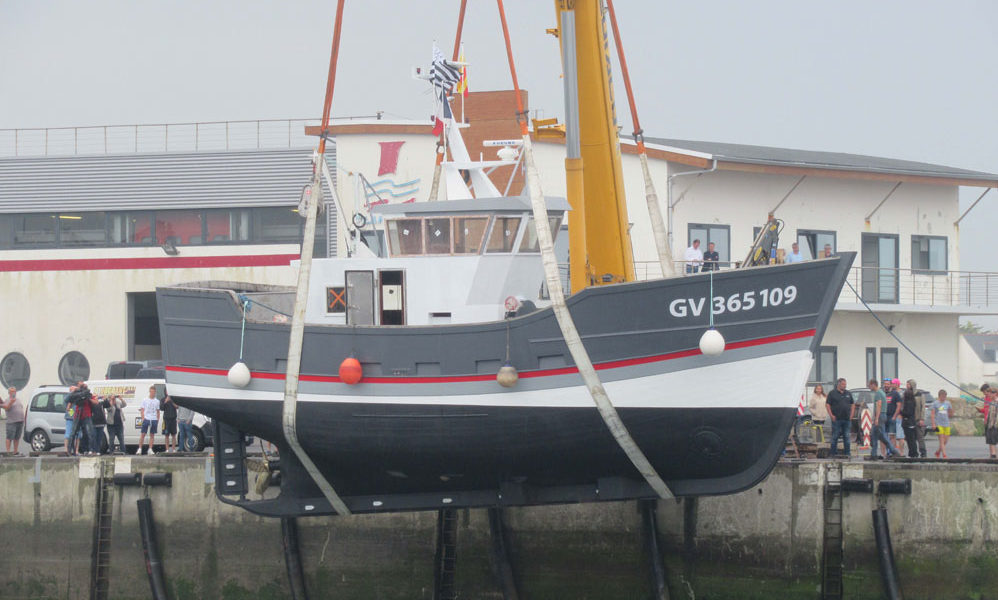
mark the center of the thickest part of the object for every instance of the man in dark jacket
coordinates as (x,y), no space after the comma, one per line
(840,410)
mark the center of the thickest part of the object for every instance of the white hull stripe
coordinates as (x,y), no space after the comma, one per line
(772,381)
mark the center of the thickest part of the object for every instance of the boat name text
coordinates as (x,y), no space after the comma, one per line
(740,301)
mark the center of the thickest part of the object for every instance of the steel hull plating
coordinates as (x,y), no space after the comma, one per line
(428,426)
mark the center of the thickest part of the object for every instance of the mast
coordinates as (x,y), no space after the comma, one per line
(607,241)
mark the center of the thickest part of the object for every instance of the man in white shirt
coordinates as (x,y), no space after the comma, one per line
(694,257)
(794,255)
(150,419)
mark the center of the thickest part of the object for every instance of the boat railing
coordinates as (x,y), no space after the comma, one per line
(877,285)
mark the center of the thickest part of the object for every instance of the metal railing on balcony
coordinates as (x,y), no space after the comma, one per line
(157,137)
(912,287)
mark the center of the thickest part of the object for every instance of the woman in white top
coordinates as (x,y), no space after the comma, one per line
(819,410)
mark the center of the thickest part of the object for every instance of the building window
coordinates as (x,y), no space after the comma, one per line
(880,267)
(277,225)
(34,230)
(14,371)
(82,229)
(226,226)
(73,367)
(871,363)
(130,228)
(825,369)
(719,235)
(888,363)
(813,243)
(928,254)
(180,227)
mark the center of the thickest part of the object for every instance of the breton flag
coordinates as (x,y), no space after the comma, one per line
(443,112)
(443,73)
(462,85)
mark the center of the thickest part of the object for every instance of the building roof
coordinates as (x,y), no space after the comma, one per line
(745,154)
(83,183)
(985,345)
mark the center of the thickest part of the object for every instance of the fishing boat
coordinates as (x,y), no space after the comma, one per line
(432,368)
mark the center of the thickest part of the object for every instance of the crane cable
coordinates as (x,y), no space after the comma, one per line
(572,338)
(297,334)
(905,346)
(651,197)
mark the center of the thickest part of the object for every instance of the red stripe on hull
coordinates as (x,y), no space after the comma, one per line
(527,374)
(166,262)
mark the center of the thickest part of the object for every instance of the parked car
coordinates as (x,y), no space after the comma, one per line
(133,391)
(44,423)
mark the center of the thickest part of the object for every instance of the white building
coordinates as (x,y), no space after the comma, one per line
(979,358)
(84,238)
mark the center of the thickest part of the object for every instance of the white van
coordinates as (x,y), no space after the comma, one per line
(133,391)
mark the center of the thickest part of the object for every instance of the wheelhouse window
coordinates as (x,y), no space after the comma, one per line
(405,237)
(469,232)
(928,254)
(530,243)
(437,234)
(503,235)
(813,243)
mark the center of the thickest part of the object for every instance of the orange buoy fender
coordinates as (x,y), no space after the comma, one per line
(351,371)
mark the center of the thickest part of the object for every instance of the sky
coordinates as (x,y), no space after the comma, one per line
(908,79)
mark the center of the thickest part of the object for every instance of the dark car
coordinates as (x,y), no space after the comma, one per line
(863,397)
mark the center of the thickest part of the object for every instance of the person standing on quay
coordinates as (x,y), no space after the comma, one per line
(15,418)
(150,420)
(115,422)
(840,408)
(100,421)
(170,424)
(185,419)
(941,414)
(816,405)
(990,419)
(879,422)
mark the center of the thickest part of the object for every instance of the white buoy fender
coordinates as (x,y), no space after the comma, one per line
(712,342)
(239,375)
(507,376)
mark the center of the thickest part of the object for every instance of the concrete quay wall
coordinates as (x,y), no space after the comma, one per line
(761,543)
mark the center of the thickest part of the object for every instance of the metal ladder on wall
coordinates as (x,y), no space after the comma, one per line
(832,554)
(100,554)
(446,556)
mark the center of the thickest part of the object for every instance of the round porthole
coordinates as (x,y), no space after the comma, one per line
(73,367)
(14,371)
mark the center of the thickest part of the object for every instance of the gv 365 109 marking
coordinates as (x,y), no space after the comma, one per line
(684,307)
